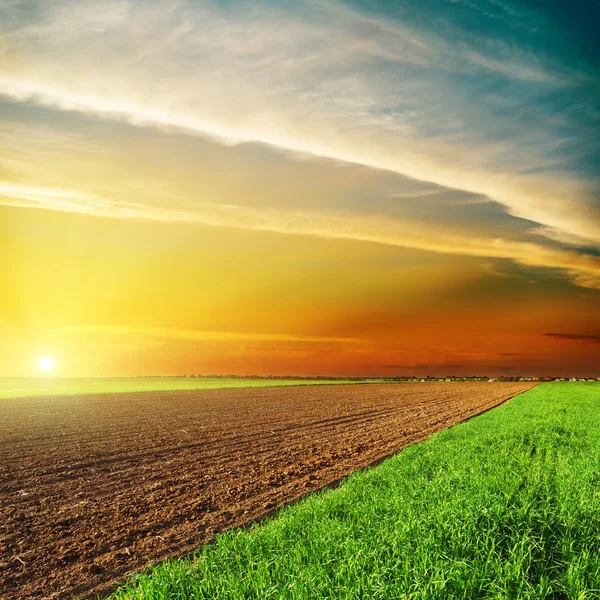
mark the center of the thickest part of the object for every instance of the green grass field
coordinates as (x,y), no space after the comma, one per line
(49,386)
(506,505)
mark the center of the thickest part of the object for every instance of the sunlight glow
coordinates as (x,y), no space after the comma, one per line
(45,363)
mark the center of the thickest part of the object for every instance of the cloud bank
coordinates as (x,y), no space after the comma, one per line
(583,269)
(497,115)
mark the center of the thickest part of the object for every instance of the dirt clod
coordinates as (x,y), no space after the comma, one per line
(95,569)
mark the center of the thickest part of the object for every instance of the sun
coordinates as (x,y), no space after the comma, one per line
(45,363)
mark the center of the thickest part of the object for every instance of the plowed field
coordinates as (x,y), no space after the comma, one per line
(93,487)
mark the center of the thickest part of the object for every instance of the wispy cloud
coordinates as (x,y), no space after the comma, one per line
(14,194)
(423,367)
(564,237)
(174,333)
(592,338)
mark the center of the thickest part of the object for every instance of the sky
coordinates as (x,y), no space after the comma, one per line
(318,187)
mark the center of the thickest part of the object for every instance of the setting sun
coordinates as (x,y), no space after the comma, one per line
(45,363)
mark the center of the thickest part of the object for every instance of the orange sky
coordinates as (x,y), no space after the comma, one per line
(317,189)
(109,297)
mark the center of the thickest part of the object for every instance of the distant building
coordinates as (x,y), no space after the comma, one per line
(491,380)
(573,379)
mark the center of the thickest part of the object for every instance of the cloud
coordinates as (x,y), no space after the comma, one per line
(584,270)
(563,237)
(592,338)
(420,366)
(320,78)
(492,269)
(427,366)
(174,333)
(14,194)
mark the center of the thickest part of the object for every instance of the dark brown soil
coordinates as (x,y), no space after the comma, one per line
(94,487)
